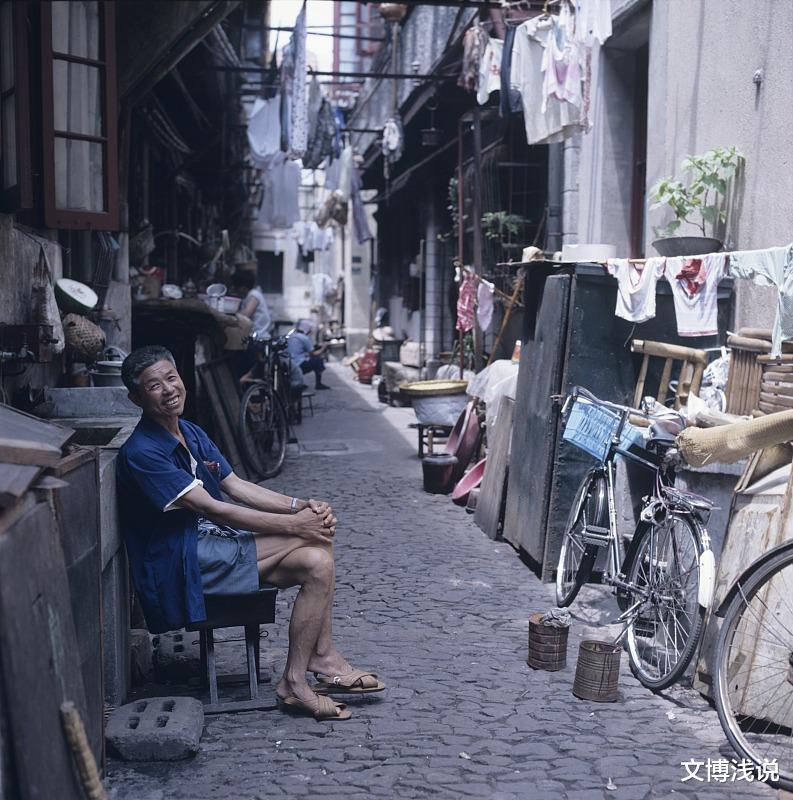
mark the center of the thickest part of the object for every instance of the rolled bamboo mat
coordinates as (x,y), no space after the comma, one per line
(730,443)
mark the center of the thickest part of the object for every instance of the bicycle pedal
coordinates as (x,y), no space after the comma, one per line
(597,536)
(645,627)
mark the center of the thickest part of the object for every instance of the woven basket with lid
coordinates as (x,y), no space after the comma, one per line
(84,340)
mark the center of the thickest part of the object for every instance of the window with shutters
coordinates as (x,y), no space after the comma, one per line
(78,77)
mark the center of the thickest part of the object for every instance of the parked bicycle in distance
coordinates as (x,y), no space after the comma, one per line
(664,581)
(264,408)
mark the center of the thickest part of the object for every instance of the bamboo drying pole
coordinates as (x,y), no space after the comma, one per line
(513,300)
(81,752)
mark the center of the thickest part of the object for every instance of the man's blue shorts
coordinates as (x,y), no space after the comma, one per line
(227,560)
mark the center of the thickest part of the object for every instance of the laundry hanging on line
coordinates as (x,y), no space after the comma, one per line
(543,67)
(466,301)
(294,92)
(694,281)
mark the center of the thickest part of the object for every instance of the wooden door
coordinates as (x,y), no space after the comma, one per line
(534,425)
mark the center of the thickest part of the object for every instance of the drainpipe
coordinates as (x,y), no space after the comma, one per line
(553,240)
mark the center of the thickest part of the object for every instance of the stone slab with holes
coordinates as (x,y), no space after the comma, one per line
(156,729)
(176,656)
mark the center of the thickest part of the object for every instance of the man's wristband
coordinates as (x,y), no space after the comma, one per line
(293,506)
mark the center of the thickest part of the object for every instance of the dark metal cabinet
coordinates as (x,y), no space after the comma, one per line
(571,338)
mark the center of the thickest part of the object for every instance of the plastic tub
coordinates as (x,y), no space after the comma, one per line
(464,445)
(438,471)
(469,481)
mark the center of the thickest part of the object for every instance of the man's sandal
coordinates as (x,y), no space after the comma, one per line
(321,708)
(357,681)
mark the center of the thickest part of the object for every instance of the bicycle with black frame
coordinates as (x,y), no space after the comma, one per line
(664,580)
(264,408)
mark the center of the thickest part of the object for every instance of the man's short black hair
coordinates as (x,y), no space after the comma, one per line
(141,359)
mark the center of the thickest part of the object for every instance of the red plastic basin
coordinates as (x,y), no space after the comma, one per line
(469,481)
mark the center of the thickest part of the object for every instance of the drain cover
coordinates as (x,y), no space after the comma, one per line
(324,447)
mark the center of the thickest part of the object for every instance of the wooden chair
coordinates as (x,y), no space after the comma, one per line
(689,373)
(758,384)
(776,385)
(746,372)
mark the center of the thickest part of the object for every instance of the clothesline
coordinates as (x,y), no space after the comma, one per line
(694,280)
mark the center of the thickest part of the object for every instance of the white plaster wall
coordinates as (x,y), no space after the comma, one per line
(703,55)
(406,324)
(357,271)
(295,301)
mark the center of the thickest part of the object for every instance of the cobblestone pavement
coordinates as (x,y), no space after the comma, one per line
(440,613)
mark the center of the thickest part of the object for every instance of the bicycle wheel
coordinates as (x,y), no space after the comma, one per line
(263,431)
(754,667)
(666,624)
(577,558)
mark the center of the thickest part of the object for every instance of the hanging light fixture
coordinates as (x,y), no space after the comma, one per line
(393,133)
(432,136)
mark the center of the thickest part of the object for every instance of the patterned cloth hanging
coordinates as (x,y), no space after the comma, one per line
(465,304)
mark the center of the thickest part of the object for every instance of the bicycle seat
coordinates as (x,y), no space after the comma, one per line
(660,437)
(666,429)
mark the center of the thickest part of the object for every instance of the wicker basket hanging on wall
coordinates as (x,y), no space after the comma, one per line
(84,340)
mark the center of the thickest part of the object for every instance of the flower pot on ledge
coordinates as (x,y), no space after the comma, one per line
(671,246)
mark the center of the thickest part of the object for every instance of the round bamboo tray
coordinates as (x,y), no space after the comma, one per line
(437,388)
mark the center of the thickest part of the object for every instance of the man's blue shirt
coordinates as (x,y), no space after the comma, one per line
(152,469)
(299,346)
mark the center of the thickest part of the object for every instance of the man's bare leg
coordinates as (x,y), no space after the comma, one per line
(326,659)
(312,569)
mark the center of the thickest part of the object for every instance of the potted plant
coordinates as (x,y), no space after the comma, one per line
(701,203)
(502,228)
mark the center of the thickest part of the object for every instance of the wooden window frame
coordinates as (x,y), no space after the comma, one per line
(73,219)
(20,195)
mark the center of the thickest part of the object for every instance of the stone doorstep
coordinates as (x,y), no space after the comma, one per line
(156,729)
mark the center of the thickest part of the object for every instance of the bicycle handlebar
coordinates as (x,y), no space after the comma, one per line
(625,412)
(580,391)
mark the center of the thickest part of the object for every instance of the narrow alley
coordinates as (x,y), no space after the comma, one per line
(440,612)
(539,253)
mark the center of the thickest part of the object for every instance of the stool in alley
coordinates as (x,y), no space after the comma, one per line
(249,611)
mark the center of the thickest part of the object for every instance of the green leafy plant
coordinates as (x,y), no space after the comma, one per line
(500,225)
(451,207)
(702,202)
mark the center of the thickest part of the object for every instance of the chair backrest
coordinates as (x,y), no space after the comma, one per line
(776,384)
(745,373)
(689,372)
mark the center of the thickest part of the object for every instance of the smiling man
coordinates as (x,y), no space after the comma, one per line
(185,540)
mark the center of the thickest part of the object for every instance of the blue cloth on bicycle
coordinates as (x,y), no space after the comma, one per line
(152,470)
